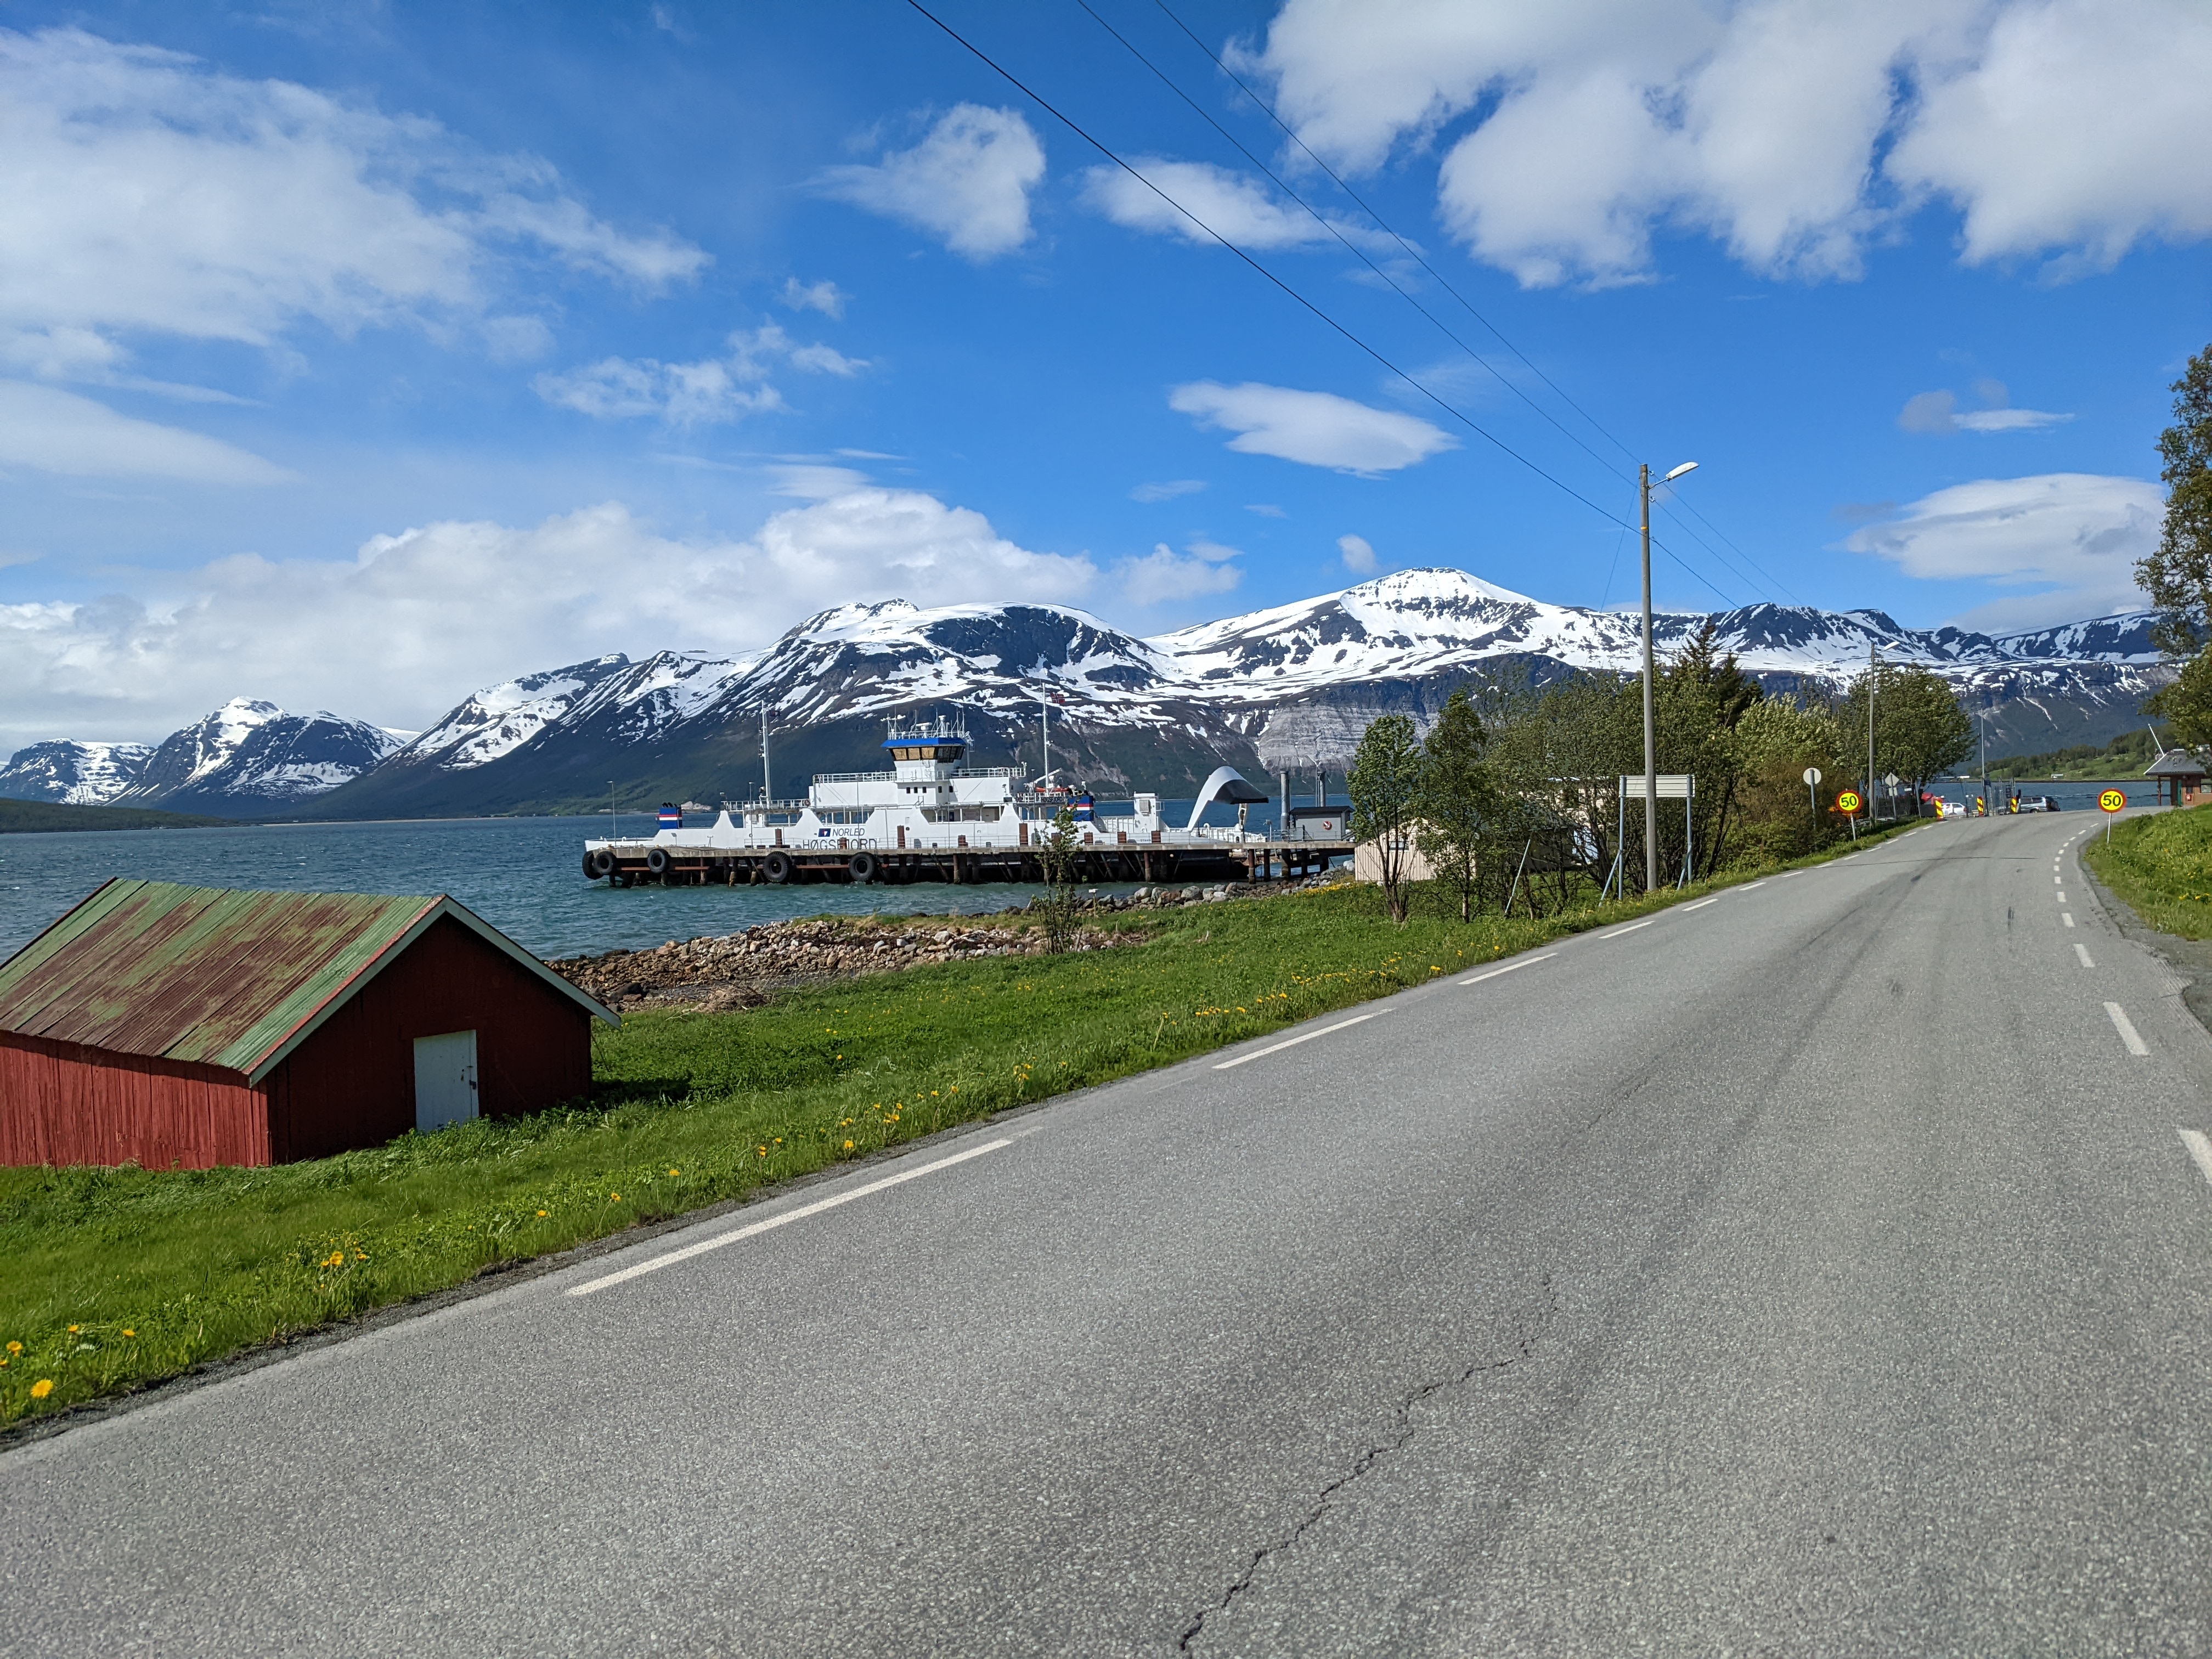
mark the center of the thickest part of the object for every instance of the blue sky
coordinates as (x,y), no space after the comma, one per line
(359,361)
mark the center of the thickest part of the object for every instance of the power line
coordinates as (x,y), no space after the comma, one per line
(1488,436)
(1415,253)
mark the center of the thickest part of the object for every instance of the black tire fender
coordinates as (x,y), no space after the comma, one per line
(864,867)
(600,861)
(778,868)
(657,860)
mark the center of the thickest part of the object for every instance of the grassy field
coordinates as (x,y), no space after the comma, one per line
(112,1279)
(2162,866)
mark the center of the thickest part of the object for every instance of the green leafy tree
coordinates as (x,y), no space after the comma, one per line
(1384,783)
(2186,705)
(2178,575)
(1920,731)
(1459,804)
(1058,851)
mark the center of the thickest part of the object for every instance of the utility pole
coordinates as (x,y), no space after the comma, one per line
(1874,671)
(1650,732)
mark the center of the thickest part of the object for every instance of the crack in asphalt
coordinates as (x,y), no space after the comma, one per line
(1402,1432)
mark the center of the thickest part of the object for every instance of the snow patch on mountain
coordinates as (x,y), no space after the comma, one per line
(72,774)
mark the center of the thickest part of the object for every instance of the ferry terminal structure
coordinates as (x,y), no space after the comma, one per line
(932,818)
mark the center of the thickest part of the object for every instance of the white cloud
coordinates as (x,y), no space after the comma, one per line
(2079,127)
(50,430)
(416,621)
(1358,555)
(1937,413)
(1164,576)
(148,194)
(825,297)
(714,389)
(1266,509)
(1239,207)
(967,182)
(2073,536)
(1316,428)
(1794,131)
(1167,491)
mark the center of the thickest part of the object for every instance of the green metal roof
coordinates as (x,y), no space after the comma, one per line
(212,975)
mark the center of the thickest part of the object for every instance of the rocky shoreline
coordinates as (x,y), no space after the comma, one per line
(717,973)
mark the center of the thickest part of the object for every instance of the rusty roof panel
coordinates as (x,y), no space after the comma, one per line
(196,974)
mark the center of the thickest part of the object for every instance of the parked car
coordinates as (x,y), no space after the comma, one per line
(2037,803)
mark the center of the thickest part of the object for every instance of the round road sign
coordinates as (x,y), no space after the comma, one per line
(2112,801)
(1848,801)
(1811,776)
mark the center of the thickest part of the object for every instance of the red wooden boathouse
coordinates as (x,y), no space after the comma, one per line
(184,1027)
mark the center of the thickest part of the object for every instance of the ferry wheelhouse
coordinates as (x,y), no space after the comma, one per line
(933,817)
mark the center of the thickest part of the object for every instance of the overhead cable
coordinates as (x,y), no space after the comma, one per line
(1457,414)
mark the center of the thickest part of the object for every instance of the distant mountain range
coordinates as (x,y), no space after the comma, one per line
(1288,687)
(247,759)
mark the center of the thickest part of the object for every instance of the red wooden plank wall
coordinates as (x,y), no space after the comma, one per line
(62,1103)
(352,1084)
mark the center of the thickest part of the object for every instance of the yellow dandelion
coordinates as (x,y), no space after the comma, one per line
(335,1259)
(849,1145)
(74,1329)
(544,1212)
(42,1388)
(15,1347)
(676,1172)
(763,1152)
(127,1331)
(615,1197)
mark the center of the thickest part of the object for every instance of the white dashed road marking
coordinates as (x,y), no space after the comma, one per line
(1631,928)
(2066,916)
(1292,1042)
(1493,973)
(2126,1028)
(788,1216)
(2082,952)
(2199,1149)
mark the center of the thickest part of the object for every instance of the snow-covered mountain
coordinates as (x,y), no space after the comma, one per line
(73,774)
(1288,687)
(250,756)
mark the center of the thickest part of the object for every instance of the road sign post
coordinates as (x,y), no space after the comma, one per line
(2110,804)
(1849,804)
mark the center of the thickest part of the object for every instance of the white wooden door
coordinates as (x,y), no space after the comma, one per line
(445,1080)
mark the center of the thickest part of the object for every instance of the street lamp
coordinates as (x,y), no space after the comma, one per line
(1651,739)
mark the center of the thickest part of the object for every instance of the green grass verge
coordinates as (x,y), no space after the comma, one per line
(2161,866)
(113,1278)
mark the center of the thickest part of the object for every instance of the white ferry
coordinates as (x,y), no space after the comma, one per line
(932,818)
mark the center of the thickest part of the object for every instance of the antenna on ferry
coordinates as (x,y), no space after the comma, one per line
(768,794)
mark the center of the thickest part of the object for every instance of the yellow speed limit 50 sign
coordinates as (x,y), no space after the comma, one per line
(2112,801)
(1848,801)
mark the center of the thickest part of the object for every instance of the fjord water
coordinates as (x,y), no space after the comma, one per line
(521,875)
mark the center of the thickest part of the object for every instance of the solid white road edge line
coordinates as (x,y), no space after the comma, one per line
(1291,1043)
(775,1221)
(2066,916)
(1631,928)
(2200,1149)
(2082,952)
(1519,962)
(2126,1028)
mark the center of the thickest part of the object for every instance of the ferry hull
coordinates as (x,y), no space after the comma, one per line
(632,863)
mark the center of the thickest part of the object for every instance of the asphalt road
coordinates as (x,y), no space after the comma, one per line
(1818,1271)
